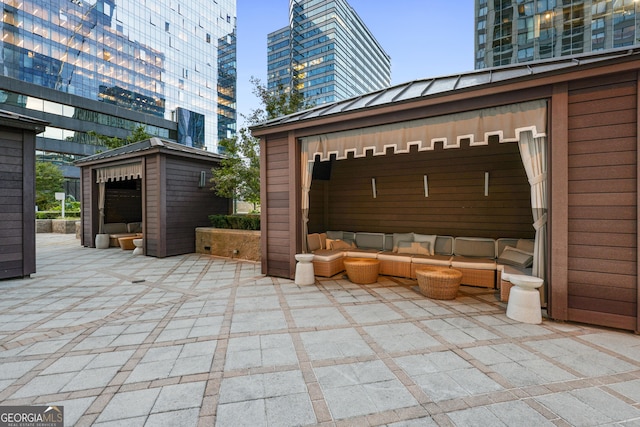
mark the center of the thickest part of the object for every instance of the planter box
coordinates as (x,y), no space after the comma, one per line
(240,244)
(64,226)
(44,226)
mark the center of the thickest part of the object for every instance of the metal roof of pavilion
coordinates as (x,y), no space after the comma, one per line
(441,85)
(146,145)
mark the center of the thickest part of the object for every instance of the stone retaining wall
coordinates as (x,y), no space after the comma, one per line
(240,244)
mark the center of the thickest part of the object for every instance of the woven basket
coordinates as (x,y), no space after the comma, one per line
(362,270)
(439,282)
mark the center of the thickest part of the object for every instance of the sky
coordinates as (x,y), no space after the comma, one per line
(424,38)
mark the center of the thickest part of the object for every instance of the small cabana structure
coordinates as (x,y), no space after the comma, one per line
(17,192)
(162,186)
(545,151)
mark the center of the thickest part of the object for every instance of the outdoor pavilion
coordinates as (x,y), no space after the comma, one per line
(557,140)
(161,184)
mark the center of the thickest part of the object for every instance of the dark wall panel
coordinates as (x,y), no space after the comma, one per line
(456,204)
(277,191)
(187,205)
(602,235)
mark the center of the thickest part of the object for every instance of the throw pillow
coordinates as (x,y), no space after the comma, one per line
(515,257)
(430,238)
(340,244)
(401,237)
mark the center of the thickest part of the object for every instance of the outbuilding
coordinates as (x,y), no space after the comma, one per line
(546,151)
(160,186)
(17,192)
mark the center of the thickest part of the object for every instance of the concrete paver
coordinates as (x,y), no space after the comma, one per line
(195,340)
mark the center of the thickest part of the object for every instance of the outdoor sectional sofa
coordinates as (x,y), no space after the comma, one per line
(483,262)
(115,230)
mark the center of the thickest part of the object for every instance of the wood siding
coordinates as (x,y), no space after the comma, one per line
(187,205)
(17,210)
(456,204)
(602,201)
(152,208)
(277,231)
(89,204)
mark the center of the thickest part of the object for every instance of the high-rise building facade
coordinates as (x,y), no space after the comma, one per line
(109,66)
(327,52)
(514,31)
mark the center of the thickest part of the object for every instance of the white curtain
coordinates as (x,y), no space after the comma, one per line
(534,158)
(101,198)
(306,170)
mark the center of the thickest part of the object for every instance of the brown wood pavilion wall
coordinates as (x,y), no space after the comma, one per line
(456,204)
(602,204)
(276,225)
(17,209)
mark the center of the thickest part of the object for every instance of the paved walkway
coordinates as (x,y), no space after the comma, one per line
(124,340)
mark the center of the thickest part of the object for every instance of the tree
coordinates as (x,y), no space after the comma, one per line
(281,102)
(138,134)
(49,180)
(238,176)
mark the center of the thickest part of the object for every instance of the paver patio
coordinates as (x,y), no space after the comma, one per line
(122,340)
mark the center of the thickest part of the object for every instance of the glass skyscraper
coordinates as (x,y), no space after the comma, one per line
(513,31)
(112,65)
(327,52)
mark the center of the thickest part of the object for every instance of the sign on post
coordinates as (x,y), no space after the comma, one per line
(61,197)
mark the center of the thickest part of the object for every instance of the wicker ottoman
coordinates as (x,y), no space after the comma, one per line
(439,282)
(362,270)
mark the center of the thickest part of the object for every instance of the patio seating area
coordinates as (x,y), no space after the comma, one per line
(195,340)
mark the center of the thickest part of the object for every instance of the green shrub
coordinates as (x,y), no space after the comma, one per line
(57,214)
(236,222)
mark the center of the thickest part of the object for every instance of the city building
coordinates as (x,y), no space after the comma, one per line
(109,66)
(515,31)
(327,52)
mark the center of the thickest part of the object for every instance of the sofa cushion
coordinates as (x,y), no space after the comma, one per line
(429,238)
(313,242)
(515,257)
(334,235)
(325,255)
(134,227)
(443,260)
(414,248)
(362,253)
(473,263)
(507,270)
(393,256)
(114,227)
(526,245)
(475,247)
(503,242)
(444,245)
(370,240)
(398,237)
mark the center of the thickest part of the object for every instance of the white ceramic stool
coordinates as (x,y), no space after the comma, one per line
(304,270)
(524,299)
(138,247)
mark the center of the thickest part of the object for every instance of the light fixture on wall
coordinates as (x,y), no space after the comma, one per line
(373,188)
(486,184)
(426,186)
(203,179)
